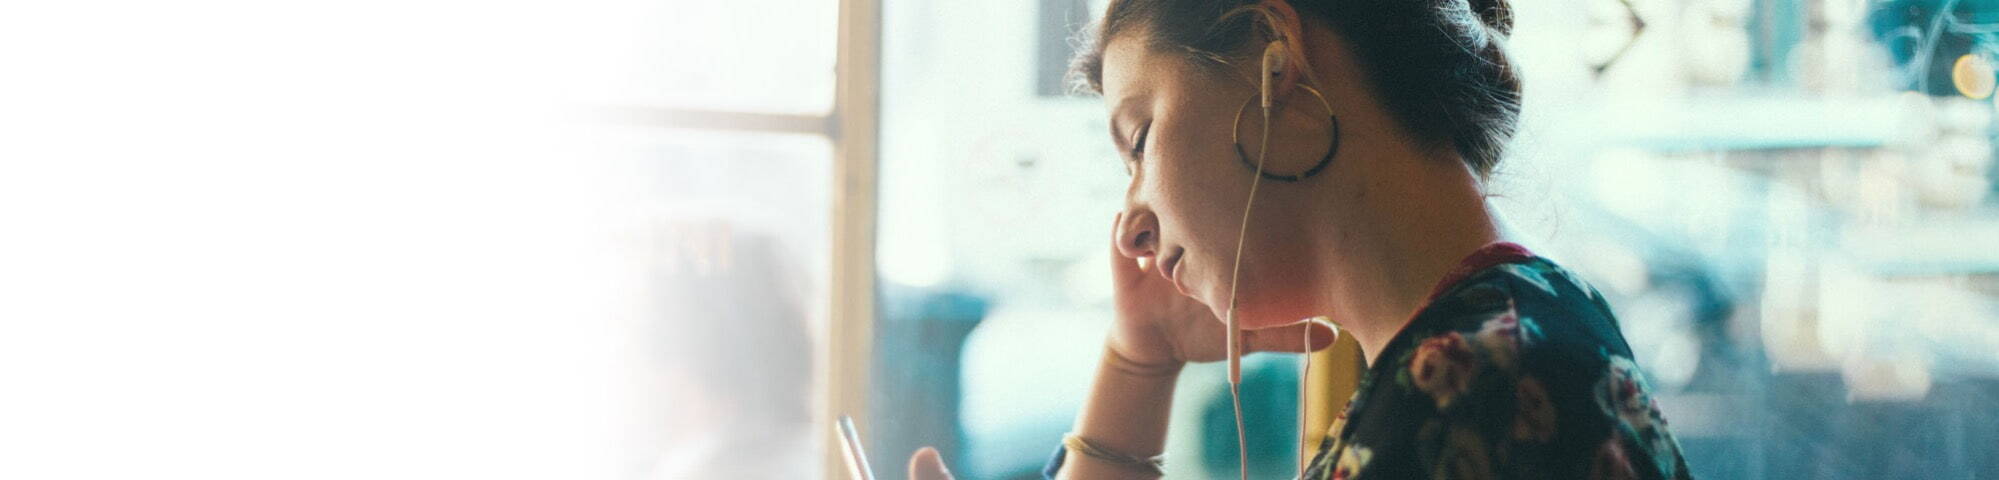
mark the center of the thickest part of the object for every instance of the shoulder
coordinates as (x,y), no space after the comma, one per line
(1528,325)
(1528,355)
(1533,308)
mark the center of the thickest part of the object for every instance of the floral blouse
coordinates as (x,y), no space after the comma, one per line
(1516,369)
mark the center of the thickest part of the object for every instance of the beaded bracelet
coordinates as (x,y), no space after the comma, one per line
(1155,465)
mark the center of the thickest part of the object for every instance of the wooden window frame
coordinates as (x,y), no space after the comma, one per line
(852,127)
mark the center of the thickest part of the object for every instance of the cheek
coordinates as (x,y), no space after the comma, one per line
(1199,190)
(1197,186)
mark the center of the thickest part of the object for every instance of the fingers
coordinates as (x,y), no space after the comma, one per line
(927,465)
(1291,338)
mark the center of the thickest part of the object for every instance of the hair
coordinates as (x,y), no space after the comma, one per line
(1440,67)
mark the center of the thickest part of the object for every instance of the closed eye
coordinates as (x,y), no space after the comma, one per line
(1138,145)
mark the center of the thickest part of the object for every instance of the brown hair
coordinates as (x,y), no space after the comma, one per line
(1440,66)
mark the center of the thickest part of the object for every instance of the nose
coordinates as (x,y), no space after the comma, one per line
(1137,233)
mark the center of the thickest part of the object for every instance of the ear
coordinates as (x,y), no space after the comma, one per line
(1291,31)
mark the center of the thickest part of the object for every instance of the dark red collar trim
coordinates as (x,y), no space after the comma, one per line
(1491,255)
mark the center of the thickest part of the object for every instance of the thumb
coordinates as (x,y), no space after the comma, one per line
(926,465)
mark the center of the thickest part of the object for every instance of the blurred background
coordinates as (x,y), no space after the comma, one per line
(1790,203)
(676,239)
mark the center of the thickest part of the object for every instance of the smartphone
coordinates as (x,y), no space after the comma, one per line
(850,443)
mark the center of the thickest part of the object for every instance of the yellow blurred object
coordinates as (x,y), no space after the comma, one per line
(1973,76)
(1335,374)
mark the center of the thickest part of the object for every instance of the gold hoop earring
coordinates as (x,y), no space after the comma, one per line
(1235,136)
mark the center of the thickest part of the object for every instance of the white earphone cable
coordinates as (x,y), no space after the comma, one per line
(1304,378)
(1235,279)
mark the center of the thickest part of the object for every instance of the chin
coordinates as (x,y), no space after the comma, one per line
(1256,313)
(1251,320)
(1265,309)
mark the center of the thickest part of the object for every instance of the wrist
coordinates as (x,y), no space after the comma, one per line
(1119,363)
(1129,406)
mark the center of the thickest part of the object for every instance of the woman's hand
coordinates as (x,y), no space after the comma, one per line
(1157,330)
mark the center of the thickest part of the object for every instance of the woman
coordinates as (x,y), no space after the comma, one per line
(1483,360)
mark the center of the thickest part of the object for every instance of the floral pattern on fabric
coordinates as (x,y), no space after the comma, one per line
(1351,461)
(1442,368)
(1516,371)
(1534,420)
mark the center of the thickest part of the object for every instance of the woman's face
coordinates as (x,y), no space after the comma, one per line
(1184,207)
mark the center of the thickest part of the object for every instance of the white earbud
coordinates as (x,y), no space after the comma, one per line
(1273,64)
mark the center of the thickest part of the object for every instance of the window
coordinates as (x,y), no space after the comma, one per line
(757,119)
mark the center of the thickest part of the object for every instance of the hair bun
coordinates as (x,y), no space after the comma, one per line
(1497,14)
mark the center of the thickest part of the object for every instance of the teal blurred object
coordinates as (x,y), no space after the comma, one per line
(1269,410)
(919,338)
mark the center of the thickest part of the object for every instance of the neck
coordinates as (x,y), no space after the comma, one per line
(1419,228)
